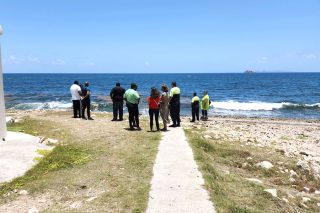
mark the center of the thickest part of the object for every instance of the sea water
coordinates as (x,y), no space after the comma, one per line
(289,95)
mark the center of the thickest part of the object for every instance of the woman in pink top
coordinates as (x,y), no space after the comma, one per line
(153,102)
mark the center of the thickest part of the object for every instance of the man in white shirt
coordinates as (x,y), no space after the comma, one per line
(76,97)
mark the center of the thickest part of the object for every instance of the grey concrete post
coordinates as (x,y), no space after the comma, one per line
(3,125)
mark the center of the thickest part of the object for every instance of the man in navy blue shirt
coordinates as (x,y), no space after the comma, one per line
(86,101)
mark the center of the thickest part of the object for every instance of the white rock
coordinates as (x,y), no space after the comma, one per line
(273,192)
(303,166)
(249,158)
(317,192)
(318,204)
(305,199)
(292,180)
(75,204)
(302,204)
(33,210)
(287,201)
(23,192)
(207,136)
(293,173)
(307,189)
(91,198)
(265,164)
(52,140)
(290,195)
(253,179)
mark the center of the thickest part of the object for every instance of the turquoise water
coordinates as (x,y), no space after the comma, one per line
(290,95)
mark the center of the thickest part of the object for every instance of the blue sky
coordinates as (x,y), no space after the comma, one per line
(137,36)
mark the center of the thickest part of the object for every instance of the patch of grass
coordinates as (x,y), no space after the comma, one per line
(284,138)
(98,158)
(301,137)
(12,128)
(58,158)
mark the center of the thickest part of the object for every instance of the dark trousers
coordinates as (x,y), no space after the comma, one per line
(117,106)
(205,112)
(86,104)
(76,108)
(175,114)
(133,114)
(156,116)
(195,112)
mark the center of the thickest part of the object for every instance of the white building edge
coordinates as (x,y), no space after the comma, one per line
(3,125)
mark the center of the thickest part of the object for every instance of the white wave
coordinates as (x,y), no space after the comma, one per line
(234,105)
(46,105)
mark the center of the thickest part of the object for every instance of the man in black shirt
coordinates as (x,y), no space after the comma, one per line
(116,95)
(86,101)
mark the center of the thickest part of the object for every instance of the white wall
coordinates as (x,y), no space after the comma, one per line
(3,126)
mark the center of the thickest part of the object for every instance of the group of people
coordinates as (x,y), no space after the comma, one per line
(81,100)
(159,104)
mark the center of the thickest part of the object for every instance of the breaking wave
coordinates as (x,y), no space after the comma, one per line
(248,106)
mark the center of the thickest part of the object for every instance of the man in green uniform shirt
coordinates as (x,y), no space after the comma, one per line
(174,101)
(132,98)
(195,107)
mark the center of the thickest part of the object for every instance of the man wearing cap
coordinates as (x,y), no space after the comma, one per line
(195,107)
(174,101)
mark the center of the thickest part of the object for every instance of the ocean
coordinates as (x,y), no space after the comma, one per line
(286,95)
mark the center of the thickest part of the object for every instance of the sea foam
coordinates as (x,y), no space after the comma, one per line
(234,105)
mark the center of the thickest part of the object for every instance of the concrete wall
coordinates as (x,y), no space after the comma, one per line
(3,126)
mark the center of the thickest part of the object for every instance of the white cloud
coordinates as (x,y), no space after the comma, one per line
(58,62)
(147,63)
(89,63)
(33,59)
(309,56)
(288,55)
(13,59)
(258,60)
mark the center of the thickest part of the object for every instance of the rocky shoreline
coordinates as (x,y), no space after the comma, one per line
(295,138)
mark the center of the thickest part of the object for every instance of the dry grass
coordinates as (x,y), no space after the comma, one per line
(117,172)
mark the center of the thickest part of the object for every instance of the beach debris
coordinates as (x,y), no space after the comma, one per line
(9,120)
(253,179)
(273,192)
(44,140)
(265,164)
(23,192)
(91,199)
